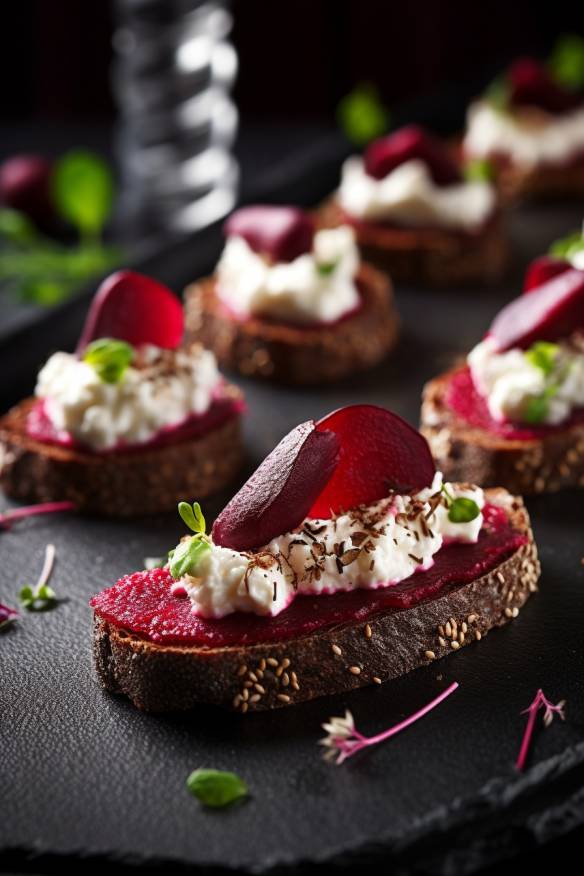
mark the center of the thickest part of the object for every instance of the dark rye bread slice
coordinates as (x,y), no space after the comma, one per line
(296,354)
(432,256)
(334,660)
(465,453)
(541,182)
(117,484)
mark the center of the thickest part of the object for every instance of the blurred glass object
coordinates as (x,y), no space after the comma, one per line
(172,76)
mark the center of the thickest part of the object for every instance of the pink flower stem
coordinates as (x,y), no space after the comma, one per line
(540,702)
(526,741)
(7,518)
(397,728)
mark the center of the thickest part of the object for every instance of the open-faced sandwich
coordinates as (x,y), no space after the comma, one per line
(532,128)
(416,214)
(290,304)
(344,561)
(513,413)
(131,420)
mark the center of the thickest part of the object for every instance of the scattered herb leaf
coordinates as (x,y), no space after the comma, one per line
(361,114)
(192,516)
(186,556)
(343,740)
(463,510)
(567,62)
(42,597)
(543,355)
(109,358)
(479,170)
(83,191)
(540,702)
(216,788)
(568,246)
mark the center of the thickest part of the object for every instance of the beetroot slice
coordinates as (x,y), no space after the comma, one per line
(279,493)
(553,311)
(379,452)
(543,269)
(134,308)
(283,233)
(411,142)
(532,85)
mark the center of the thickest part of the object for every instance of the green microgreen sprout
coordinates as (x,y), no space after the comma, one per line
(543,355)
(461,509)
(568,246)
(479,170)
(216,788)
(497,93)
(185,557)
(109,358)
(566,62)
(42,597)
(361,114)
(325,269)
(537,407)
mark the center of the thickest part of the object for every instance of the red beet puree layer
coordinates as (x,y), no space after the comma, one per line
(463,398)
(143,604)
(223,407)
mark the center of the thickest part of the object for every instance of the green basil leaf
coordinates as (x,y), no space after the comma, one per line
(543,355)
(463,510)
(361,114)
(567,62)
(187,555)
(479,170)
(17,227)
(83,191)
(192,516)
(109,358)
(216,788)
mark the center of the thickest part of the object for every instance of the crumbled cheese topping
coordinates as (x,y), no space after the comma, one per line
(409,196)
(161,388)
(315,287)
(369,547)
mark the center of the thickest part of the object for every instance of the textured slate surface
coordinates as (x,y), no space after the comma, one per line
(85,774)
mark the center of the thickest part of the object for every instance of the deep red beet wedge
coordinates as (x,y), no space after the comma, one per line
(411,142)
(132,307)
(531,84)
(282,233)
(151,646)
(553,311)
(25,186)
(543,269)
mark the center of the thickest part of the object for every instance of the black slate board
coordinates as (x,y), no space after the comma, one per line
(84,775)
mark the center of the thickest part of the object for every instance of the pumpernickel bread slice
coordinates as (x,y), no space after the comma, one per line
(119,484)
(432,256)
(333,660)
(296,354)
(462,452)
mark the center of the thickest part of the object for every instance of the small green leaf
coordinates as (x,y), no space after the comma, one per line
(463,510)
(26,596)
(479,170)
(187,555)
(567,62)
(537,407)
(109,358)
(216,788)
(325,269)
(83,191)
(39,599)
(193,516)
(361,114)
(543,355)
(568,246)
(497,94)
(16,227)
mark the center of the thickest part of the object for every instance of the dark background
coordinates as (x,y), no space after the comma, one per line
(297,57)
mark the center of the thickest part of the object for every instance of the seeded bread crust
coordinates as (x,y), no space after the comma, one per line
(296,354)
(116,484)
(464,453)
(167,678)
(431,256)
